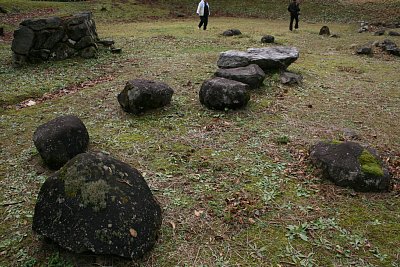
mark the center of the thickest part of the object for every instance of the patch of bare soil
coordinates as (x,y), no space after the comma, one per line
(15,18)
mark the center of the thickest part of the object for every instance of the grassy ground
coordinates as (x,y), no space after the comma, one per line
(233,193)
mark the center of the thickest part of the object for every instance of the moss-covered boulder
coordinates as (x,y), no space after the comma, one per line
(349,164)
(61,139)
(98,204)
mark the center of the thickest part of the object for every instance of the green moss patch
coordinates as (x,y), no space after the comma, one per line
(369,164)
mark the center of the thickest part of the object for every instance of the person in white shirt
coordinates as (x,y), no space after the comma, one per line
(203,10)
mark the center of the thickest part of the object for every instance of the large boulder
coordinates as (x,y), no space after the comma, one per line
(252,75)
(267,58)
(349,164)
(140,95)
(98,204)
(220,94)
(23,40)
(61,139)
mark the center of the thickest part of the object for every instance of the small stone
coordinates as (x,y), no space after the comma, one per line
(268,39)
(116,50)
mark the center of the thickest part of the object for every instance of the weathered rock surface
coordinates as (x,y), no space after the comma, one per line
(393,33)
(349,164)
(390,47)
(252,75)
(268,39)
(364,50)
(220,94)
(63,37)
(379,32)
(61,139)
(232,32)
(140,95)
(288,77)
(98,204)
(267,58)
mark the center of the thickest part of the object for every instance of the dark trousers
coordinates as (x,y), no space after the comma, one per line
(296,18)
(203,22)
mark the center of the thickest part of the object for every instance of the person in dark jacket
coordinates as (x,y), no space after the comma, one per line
(294,10)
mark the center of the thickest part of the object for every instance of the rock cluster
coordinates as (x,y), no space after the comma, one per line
(55,38)
(232,32)
(386,45)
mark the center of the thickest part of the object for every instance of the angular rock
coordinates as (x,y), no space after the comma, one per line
(364,50)
(62,51)
(232,32)
(348,164)
(116,50)
(98,204)
(252,75)
(379,33)
(78,19)
(23,40)
(268,39)
(324,31)
(387,44)
(61,139)
(141,95)
(41,24)
(88,52)
(220,94)
(85,42)
(267,58)
(56,36)
(288,77)
(393,33)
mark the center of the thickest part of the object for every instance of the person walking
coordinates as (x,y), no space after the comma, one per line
(203,10)
(294,10)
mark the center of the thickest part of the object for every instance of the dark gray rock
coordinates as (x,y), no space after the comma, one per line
(76,32)
(1,31)
(349,164)
(62,51)
(3,10)
(288,77)
(88,52)
(220,94)
(39,55)
(106,42)
(141,95)
(41,24)
(78,19)
(23,40)
(393,33)
(116,50)
(387,44)
(232,32)
(98,204)
(268,39)
(324,31)
(252,75)
(334,35)
(85,42)
(364,50)
(267,58)
(379,32)
(61,139)
(56,36)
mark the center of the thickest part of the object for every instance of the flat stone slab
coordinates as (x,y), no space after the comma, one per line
(252,75)
(267,58)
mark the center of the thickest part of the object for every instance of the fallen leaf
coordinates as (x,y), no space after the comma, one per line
(172,225)
(197,213)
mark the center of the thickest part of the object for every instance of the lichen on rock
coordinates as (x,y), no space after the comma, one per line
(94,193)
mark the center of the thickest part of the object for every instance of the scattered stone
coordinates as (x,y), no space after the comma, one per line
(393,33)
(103,9)
(140,95)
(220,94)
(364,50)
(349,164)
(61,139)
(232,32)
(334,35)
(64,37)
(267,58)
(390,47)
(324,31)
(106,42)
(1,31)
(379,32)
(364,27)
(289,78)
(252,75)
(268,39)
(116,50)
(98,204)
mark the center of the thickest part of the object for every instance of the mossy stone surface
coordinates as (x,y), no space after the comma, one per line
(96,203)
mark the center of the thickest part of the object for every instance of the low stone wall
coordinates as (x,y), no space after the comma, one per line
(55,38)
